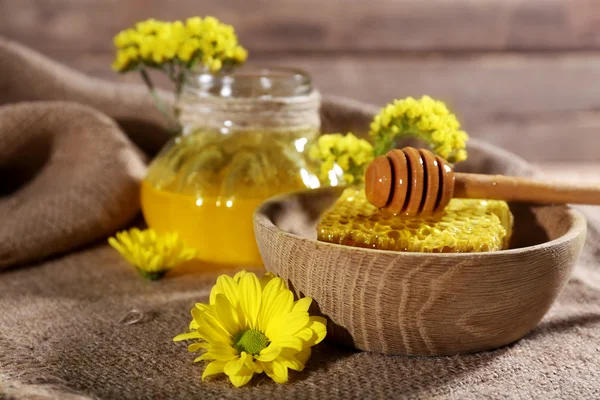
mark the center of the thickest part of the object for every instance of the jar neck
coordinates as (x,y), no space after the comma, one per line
(238,113)
(274,99)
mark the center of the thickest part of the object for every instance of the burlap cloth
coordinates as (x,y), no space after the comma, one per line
(83,325)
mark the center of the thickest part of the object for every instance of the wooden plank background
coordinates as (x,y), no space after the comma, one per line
(524,74)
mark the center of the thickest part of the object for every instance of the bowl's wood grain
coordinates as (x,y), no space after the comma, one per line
(416,303)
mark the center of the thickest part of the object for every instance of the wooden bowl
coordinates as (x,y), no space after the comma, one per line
(419,303)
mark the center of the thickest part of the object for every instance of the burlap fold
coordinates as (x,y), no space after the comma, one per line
(69,176)
(85,326)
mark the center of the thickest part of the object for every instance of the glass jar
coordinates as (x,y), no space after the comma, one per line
(245,137)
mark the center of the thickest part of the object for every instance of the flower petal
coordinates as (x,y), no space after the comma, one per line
(194,347)
(268,369)
(239,275)
(292,363)
(287,325)
(117,246)
(203,307)
(265,279)
(280,372)
(250,297)
(307,334)
(205,356)
(233,367)
(242,318)
(213,368)
(209,328)
(242,378)
(291,342)
(258,367)
(281,304)
(302,305)
(304,355)
(229,287)
(213,293)
(222,351)
(269,353)
(228,316)
(252,365)
(270,292)
(186,336)
(293,360)
(319,326)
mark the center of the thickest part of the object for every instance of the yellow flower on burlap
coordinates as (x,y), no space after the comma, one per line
(151,253)
(251,326)
(348,152)
(425,119)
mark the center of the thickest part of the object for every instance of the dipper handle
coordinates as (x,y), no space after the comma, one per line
(512,188)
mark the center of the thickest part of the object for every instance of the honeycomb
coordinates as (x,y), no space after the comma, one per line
(464,226)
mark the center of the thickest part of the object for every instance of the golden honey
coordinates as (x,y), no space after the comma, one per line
(221,230)
(465,225)
(206,187)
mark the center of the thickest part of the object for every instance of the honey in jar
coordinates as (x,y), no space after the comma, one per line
(245,138)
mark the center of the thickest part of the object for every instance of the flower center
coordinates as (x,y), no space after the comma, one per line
(251,341)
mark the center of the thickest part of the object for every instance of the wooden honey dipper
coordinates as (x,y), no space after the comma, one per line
(415,182)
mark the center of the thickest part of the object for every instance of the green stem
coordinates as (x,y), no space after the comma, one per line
(171,71)
(157,100)
(179,82)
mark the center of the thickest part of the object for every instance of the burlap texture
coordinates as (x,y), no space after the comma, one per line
(69,176)
(85,326)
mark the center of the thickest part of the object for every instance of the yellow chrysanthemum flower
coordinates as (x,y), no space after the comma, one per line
(350,153)
(151,253)
(253,326)
(426,119)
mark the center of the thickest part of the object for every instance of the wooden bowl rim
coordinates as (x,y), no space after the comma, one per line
(578,226)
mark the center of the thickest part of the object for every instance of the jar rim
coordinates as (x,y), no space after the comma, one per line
(252,82)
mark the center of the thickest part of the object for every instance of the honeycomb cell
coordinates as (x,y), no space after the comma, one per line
(464,226)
